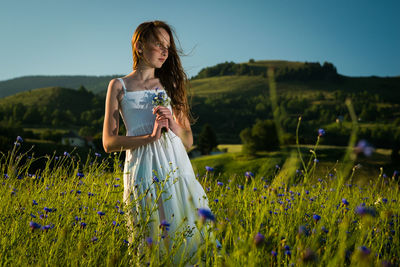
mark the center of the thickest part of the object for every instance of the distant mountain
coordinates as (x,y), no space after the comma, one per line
(94,84)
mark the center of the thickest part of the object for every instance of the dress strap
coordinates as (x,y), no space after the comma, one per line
(123,84)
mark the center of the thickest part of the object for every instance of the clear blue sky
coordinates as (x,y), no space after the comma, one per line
(92,37)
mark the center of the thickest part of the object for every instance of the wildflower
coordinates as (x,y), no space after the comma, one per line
(79,174)
(149,241)
(77,218)
(97,155)
(90,194)
(34,202)
(216,200)
(19,139)
(66,154)
(321,132)
(255,189)
(362,210)
(155,179)
(34,225)
(324,229)
(249,175)
(46,209)
(209,169)
(273,253)
(241,187)
(364,250)
(220,183)
(206,214)
(116,185)
(384,200)
(364,147)
(17,144)
(345,202)
(47,227)
(94,239)
(277,166)
(126,241)
(164,225)
(316,217)
(259,239)
(83,225)
(115,223)
(316,161)
(101,213)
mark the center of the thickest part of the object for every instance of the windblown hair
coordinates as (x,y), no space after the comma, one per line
(171,74)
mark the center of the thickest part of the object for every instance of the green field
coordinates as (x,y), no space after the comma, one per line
(71,213)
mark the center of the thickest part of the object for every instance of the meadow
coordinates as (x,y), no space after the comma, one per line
(284,214)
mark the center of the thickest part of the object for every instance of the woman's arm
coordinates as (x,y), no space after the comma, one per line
(111,140)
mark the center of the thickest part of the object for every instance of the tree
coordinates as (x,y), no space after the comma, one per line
(207,140)
(261,137)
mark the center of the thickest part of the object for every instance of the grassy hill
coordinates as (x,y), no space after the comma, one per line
(94,84)
(52,98)
(230,102)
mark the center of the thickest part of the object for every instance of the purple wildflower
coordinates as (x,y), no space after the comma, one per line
(321,132)
(209,169)
(220,183)
(206,214)
(164,225)
(316,217)
(19,139)
(259,239)
(345,202)
(34,225)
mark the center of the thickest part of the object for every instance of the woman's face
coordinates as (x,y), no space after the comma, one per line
(155,51)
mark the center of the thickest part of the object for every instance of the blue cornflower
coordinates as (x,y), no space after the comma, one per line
(220,183)
(47,227)
(116,185)
(34,225)
(155,179)
(97,154)
(149,241)
(249,175)
(321,132)
(206,214)
(216,200)
(324,229)
(83,225)
(94,239)
(364,250)
(362,210)
(90,194)
(34,202)
(209,169)
(255,189)
(259,239)
(286,247)
(79,174)
(66,154)
(164,225)
(364,147)
(101,213)
(241,187)
(384,200)
(19,139)
(316,217)
(46,209)
(273,253)
(345,202)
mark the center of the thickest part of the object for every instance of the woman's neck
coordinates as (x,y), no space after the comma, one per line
(144,72)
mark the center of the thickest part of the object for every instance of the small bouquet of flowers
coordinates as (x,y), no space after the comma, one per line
(161,99)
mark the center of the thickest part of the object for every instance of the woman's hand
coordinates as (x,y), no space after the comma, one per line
(160,123)
(165,113)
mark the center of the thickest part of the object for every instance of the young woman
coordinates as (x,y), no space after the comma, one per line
(159,182)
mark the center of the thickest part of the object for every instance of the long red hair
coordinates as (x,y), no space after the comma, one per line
(171,74)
